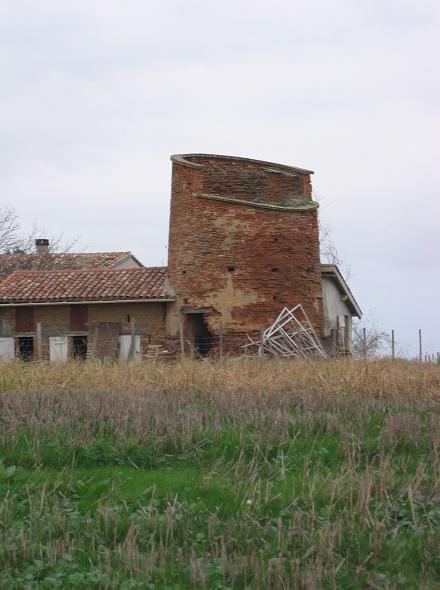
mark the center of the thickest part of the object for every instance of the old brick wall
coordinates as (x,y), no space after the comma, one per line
(244,260)
(236,179)
(55,321)
(149,317)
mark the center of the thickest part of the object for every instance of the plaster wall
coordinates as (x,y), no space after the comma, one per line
(130,262)
(334,306)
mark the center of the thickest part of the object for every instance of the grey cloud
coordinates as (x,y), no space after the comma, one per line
(95,96)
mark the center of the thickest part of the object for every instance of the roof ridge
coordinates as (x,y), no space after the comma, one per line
(65,253)
(36,271)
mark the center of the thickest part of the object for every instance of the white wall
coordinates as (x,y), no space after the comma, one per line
(334,307)
(128,263)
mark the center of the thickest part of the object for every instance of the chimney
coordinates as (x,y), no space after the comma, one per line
(42,246)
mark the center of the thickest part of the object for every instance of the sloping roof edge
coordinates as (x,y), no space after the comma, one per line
(127,257)
(332,271)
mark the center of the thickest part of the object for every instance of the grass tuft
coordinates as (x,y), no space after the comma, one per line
(233,475)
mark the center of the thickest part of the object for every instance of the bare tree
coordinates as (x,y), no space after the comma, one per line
(369,339)
(14,240)
(57,242)
(10,238)
(327,249)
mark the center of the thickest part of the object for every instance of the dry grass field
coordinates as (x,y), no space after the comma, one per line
(245,474)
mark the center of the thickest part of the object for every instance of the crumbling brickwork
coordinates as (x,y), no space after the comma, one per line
(243,241)
(105,322)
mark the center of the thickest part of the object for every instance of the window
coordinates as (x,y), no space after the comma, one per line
(24,319)
(78,318)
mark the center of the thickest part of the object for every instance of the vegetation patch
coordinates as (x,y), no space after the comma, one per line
(220,476)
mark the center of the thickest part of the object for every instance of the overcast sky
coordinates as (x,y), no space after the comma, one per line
(96,95)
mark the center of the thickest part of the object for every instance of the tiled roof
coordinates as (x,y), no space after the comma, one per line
(57,261)
(50,286)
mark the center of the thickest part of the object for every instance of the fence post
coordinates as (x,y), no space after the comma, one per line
(347,334)
(182,341)
(221,341)
(261,343)
(392,345)
(38,339)
(333,333)
(364,337)
(338,335)
(420,345)
(132,354)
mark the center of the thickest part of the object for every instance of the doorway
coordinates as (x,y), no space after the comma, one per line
(199,333)
(25,348)
(79,347)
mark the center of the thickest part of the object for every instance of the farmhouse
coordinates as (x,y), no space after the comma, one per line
(43,259)
(243,243)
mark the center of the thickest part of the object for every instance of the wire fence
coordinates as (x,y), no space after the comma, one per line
(372,344)
(109,344)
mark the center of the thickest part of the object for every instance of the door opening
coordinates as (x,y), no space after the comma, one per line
(25,348)
(199,333)
(79,347)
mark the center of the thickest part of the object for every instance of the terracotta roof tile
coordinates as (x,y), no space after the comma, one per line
(59,261)
(47,286)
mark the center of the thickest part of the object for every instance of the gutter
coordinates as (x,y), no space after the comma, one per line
(87,302)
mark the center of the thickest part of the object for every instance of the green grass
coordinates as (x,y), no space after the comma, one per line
(207,490)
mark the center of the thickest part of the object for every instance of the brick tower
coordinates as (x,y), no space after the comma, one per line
(243,243)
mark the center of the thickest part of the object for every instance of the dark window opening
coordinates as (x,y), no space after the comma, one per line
(276,297)
(274,239)
(199,331)
(78,317)
(26,348)
(79,347)
(24,319)
(274,269)
(128,318)
(231,268)
(184,272)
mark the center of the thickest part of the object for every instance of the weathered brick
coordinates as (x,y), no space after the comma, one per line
(248,260)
